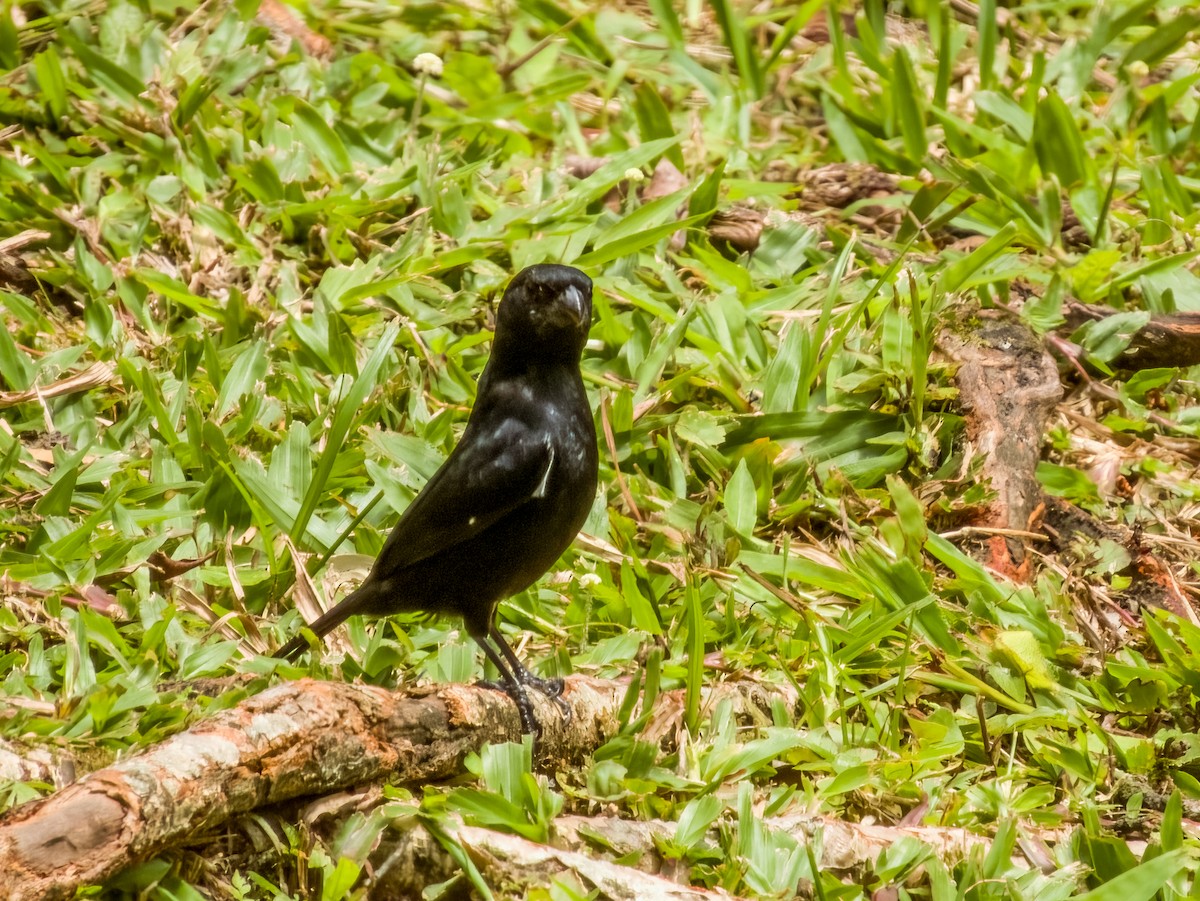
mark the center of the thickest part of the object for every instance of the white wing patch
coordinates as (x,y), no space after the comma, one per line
(540,491)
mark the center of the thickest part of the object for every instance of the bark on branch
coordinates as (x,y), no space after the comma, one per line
(1008,386)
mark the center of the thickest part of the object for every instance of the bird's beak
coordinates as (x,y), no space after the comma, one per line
(574,301)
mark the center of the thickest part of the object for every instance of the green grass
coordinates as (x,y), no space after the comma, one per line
(288,264)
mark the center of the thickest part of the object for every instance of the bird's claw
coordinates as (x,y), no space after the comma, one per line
(492,685)
(564,708)
(551,688)
(529,723)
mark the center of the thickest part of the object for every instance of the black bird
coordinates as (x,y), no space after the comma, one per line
(513,493)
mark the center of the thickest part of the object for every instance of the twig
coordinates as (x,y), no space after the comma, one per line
(967,531)
(1071,352)
(508,69)
(611,441)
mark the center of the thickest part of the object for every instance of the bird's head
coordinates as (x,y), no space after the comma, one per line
(546,312)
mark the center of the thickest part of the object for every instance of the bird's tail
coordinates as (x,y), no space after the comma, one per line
(355,602)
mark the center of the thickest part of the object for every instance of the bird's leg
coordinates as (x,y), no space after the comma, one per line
(511,686)
(551,688)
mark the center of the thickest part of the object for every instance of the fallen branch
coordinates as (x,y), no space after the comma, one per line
(842,846)
(19,763)
(300,738)
(408,858)
(1167,340)
(1152,583)
(1008,385)
(513,861)
(287,24)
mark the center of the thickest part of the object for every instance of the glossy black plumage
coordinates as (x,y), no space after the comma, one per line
(512,494)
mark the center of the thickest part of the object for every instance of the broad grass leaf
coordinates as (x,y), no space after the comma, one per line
(906,94)
(1058,142)
(954,276)
(316,134)
(1142,882)
(654,120)
(741,500)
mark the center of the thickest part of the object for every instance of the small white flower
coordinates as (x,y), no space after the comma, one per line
(1138,68)
(635,175)
(428,64)
(589,580)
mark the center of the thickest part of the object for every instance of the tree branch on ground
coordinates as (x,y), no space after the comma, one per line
(1008,387)
(301,738)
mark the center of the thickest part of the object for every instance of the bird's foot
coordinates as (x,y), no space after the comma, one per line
(520,697)
(529,723)
(551,688)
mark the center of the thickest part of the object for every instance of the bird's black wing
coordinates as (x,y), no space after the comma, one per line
(491,472)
